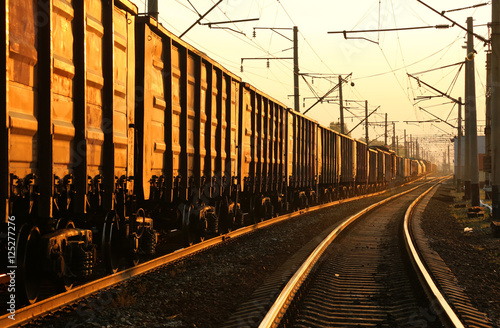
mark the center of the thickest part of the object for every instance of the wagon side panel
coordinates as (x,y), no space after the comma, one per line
(19,123)
(124,94)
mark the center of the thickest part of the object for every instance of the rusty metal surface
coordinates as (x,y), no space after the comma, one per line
(263,139)
(200,110)
(361,162)
(388,167)
(62,92)
(152,119)
(322,160)
(93,86)
(192,106)
(21,117)
(56,123)
(372,166)
(123,99)
(302,140)
(348,160)
(188,117)
(232,120)
(380,166)
(246,132)
(289,147)
(312,128)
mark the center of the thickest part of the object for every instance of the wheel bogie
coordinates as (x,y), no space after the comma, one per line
(125,239)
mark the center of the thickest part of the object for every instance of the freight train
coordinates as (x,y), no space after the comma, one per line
(116,129)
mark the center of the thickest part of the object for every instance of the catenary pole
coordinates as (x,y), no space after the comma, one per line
(385,135)
(448,166)
(466,175)
(406,146)
(495,107)
(411,146)
(471,103)
(394,136)
(296,95)
(487,128)
(459,146)
(341,100)
(366,121)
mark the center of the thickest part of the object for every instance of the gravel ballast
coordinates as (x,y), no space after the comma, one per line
(473,257)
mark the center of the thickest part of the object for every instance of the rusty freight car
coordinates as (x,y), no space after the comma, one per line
(302,160)
(348,165)
(373,170)
(187,132)
(263,156)
(328,164)
(362,167)
(67,141)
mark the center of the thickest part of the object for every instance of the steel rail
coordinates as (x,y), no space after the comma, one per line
(58,301)
(445,311)
(280,306)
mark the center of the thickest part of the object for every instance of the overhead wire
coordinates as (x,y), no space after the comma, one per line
(407,66)
(417,15)
(399,43)
(365,15)
(455,79)
(438,68)
(303,36)
(394,73)
(451,111)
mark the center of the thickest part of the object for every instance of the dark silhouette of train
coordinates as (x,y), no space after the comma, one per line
(116,129)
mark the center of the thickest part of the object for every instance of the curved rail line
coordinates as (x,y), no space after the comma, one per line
(58,301)
(280,306)
(446,313)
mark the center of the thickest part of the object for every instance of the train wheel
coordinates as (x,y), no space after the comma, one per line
(62,281)
(111,243)
(28,263)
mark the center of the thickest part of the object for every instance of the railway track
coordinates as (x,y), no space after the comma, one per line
(56,302)
(366,280)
